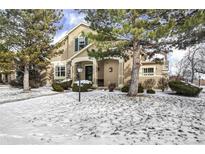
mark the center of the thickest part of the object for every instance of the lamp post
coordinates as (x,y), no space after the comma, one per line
(79,69)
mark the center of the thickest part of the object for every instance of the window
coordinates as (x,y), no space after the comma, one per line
(80,43)
(148,71)
(60,71)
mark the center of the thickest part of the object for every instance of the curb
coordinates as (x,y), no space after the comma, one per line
(22,99)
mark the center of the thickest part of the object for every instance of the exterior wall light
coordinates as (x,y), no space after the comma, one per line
(110,69)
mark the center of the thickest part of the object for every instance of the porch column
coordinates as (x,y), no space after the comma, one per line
(121,73)
(68,71)
(95,73)
(73,72)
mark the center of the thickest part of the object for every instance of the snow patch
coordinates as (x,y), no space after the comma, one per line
(83,82)
(103,117)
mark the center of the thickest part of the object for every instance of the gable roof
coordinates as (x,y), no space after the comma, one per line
(70,31)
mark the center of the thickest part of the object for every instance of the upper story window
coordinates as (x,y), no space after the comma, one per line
(80,43)
(148,71)
(60,71)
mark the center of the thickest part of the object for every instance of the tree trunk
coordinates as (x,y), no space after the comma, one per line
(192,72)
(133,91)
(192,76)
(26,78)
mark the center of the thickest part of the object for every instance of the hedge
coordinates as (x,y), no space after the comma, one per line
(83,88)
(57,87)
(150,91)
(185,89)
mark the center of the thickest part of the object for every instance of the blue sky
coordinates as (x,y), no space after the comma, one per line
(72,18)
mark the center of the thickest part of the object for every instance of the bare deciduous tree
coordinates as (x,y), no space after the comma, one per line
(193,62)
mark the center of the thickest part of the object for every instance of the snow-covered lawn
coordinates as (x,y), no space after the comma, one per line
(8,93)
(103,118)
(203,88)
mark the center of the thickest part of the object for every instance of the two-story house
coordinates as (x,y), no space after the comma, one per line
(100,72)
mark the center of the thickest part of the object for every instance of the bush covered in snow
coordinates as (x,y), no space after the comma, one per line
(66,84)
(83,82)
(57,87)
(184,89)
(83,88)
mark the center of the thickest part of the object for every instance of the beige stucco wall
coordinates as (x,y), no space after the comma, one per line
(74,35)
(64,55)
(158,72)
(100,69)
(111,77)
(69,43)
(157,67)
(83,54)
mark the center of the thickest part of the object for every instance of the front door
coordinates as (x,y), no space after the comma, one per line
(89,73)
(1,78)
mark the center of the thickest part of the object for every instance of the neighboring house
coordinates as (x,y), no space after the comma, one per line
(7,77)
(102,72)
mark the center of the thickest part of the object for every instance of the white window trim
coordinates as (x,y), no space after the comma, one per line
(80,37)
(60,66)
(148,74)
(56,64)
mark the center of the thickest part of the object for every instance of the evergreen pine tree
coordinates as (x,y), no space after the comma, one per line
(121,32)
(30,33)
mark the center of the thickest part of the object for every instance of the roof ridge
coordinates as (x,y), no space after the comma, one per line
(71,30)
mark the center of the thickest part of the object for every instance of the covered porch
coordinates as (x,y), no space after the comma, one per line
(101,73)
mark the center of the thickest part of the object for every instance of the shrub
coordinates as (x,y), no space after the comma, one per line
(126,88)
(149,83)
(150,91)
(182,88)
(57,87)
(111,87)
(34,84)
(140,88)
(66,84)
(83,88)
(87,86)
(15,83)
(163,84)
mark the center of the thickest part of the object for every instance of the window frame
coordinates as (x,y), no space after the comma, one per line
(146,71)
(60,71)
(81,43)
